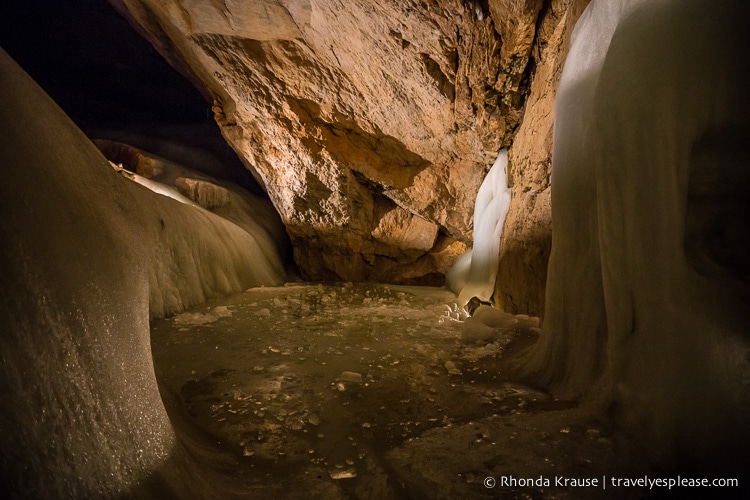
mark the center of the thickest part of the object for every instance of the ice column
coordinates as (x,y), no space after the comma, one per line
(647,287)
(474,273)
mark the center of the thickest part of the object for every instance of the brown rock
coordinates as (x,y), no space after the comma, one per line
(405,231)
(131,158)
(204,193)
(527,234)
(345,111)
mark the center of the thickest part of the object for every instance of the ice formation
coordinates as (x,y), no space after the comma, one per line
(219,251)
(162,189)
(644,306)
(474,273)
(87,255)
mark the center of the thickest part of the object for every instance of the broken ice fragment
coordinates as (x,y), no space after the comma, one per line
(348,473)
(221,312)
(354,377)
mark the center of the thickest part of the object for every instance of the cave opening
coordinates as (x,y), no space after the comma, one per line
(115,86)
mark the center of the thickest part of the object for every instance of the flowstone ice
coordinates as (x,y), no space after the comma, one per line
(86,256)
(647,291)
(474,273)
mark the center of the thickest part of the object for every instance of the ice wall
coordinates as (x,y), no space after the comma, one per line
(200,254)
(85,255)
(647,291)
(474,273)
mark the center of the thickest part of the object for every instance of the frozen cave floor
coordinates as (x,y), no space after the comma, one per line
(369,391)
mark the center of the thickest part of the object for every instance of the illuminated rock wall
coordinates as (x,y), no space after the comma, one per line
(369,120)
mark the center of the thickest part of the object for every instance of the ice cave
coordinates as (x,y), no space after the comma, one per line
(375,249)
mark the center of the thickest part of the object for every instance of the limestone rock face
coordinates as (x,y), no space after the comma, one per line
(130,158)
(363,117)
(527,234)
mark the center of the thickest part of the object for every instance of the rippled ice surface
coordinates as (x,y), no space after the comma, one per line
(324,389)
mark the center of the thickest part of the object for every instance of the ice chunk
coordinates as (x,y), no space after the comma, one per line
(198,319)
(221,312)
(344,473)
(351,377)
(494,318)
(194,319)
(473,330)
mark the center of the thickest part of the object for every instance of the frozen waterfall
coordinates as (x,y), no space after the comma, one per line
(474,273)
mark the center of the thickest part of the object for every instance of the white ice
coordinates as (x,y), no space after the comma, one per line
(474,273)
(162,189)
(86,256)
(647,85)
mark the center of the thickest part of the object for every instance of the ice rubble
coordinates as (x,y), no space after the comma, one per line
(653,98)
(86,255)
(334,375)
(474,273)
(188,319)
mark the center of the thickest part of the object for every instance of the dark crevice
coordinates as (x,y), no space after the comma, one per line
(444,84)
(535,54)
(114,84)
(481,9)
(717,215)
(538,44)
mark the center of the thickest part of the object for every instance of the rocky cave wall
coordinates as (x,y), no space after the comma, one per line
(372,124)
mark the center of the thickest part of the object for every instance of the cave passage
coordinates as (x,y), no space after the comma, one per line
(312,390)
